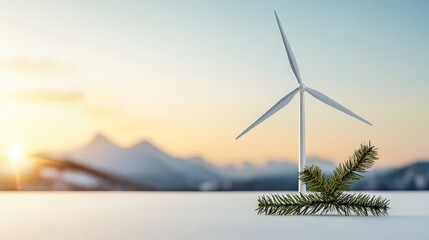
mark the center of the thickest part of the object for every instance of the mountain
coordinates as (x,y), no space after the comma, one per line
(411,177)
(273,167)
(145,164)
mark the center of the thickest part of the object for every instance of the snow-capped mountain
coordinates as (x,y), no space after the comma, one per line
(144,163)
(144,166)
(272,167)
(410,177)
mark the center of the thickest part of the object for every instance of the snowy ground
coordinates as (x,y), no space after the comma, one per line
(107,215)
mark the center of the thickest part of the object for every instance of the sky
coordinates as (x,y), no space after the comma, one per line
(191,75)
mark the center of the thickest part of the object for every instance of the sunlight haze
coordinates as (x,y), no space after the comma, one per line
(190,76)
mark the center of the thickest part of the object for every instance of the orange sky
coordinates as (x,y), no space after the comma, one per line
(192,82)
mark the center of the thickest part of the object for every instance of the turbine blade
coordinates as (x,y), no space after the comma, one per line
(325,99)
(289,52)
(279,105)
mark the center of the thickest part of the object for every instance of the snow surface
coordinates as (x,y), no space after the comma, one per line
(215,215)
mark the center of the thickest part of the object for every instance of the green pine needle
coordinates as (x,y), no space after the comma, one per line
(327,195)
(314,179)
(353,167)
(315,203)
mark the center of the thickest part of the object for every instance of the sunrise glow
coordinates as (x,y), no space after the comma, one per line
(190,86)
(16,156)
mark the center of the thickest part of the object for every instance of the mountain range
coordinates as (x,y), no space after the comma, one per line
(145,164)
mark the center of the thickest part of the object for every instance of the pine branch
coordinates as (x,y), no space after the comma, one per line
(314,179)
(326,195)
(316,203)
(362,204)
(351,170)
(293,204)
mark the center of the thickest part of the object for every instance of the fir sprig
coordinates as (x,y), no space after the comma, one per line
(327,195)
(353,168)
(316,203)
(314,179)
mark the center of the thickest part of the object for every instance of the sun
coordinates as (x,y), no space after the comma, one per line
(16,155)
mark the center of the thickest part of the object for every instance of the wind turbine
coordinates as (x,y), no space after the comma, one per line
(286,99)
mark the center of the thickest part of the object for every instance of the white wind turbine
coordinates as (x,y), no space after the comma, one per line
(286,99)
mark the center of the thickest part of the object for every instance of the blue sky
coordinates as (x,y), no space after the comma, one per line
(192,75)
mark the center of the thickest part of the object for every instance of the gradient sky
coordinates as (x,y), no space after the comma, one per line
(191,75)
